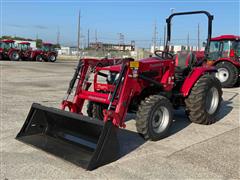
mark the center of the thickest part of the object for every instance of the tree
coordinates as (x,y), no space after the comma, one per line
(38,43)
(57,46)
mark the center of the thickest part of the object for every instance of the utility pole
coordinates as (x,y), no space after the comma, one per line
(188,44)
(121,39)
(198,38)
(96,38)
(172,11)
(58,36)
(88,37)
(154,40)
(79,21)
(164,36)
(160,42)
(83,41)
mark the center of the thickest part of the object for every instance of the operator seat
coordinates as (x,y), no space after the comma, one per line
(184,61)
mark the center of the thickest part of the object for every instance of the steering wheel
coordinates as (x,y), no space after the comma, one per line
(163,54)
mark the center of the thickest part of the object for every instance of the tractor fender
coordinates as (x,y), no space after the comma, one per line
(35,53)
(51,53)
(192,78)
(12,50)
(234,62)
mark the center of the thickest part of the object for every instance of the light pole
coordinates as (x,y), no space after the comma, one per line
(78,35)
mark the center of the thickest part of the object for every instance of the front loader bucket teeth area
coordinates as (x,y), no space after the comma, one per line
(82,140)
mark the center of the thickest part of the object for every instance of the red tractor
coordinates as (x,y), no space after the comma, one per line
(45,53)
(150,87)
(225,55)
(25,50)
(8,50)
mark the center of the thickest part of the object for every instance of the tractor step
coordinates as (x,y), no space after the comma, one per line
(84,141)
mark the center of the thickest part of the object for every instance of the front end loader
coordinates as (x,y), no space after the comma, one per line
(82,140)
(150,87)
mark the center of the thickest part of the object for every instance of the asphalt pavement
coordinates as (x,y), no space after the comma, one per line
(191,151)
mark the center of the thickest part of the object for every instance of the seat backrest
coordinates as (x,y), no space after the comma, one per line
(181,58)
(184,60)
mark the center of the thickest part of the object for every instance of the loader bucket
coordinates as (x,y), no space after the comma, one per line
(82,140)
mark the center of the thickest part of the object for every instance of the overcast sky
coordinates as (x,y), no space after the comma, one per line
(134,19)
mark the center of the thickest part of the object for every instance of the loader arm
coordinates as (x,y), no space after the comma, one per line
(75,76)
(117,96)
(125,91)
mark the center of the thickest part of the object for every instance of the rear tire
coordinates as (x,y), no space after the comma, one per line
(95,110)
(39,58)
(52,58)
(204,100)
(154,117)
(227,74)
(14,56)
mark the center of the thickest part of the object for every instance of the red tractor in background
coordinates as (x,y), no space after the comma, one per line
(225,55)
(25,50)
(149,87)
(45,53)
(8,50)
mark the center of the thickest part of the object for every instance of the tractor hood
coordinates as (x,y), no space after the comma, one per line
(37,50)
(151,62)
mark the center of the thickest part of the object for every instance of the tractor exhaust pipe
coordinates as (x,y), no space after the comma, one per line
(84,141)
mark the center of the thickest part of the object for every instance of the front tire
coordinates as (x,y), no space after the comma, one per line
(204,100)
(227,74)
(14,56)
(95,110)
(154,117)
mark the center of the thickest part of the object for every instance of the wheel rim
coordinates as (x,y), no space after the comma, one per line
(212,100)
(40,59)
(160,119)
(222,74)
(52,58)
(15,55)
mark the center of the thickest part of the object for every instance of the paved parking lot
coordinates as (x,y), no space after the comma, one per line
(191,151)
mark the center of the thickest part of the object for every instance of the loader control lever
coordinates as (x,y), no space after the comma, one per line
(163,54)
